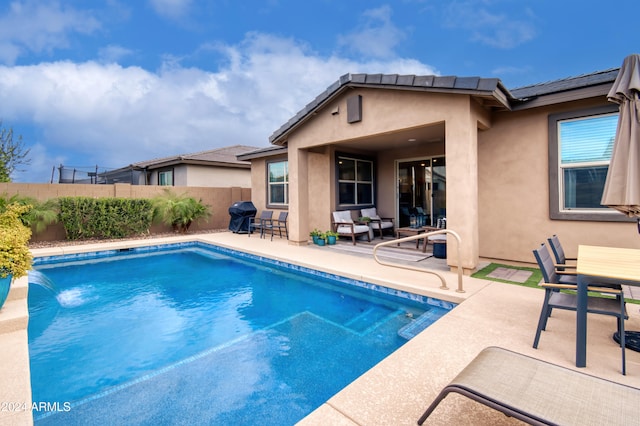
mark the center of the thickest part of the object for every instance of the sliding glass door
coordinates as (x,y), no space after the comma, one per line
(422,190)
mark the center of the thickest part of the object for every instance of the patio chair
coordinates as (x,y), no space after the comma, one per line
(422,216)
(379,224)
(263,222)
(540,393)
(563,267)
(558,253)
(279,224)
(344,225)
(560,293)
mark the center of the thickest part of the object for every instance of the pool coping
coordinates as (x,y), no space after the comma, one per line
(397,390)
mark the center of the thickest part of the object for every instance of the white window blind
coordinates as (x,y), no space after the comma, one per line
(587,140)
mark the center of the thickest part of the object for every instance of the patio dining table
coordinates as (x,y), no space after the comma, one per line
(604,265)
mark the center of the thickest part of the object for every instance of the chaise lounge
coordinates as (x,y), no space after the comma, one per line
(540,393)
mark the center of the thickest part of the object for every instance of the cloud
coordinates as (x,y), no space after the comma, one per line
(102,114)
(31,26)
(502,31)
(172,9)
(113,53)
(376,37)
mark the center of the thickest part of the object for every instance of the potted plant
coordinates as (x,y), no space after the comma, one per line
(315,235)
(178,211)
(15,257)
(332,237)
(364,219)
(322,239)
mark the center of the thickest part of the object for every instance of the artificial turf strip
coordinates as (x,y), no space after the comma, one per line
(534,279)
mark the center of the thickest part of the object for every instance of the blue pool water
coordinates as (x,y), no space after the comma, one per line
(195,334)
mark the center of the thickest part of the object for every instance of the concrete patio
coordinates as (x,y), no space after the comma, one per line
(399,388)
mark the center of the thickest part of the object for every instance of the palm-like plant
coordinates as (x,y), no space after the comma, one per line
(178,210)
(39,216)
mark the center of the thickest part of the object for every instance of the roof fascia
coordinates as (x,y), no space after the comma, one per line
(178,162)
(263,153)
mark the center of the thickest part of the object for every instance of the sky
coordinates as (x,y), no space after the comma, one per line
(108,83)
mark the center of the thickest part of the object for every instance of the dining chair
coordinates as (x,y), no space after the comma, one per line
(558,252)
(261,223)
(563,266)
(561,293)
(279,224)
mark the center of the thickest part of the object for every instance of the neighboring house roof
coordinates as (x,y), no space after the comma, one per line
(226,157)
(489,91)
(258,153)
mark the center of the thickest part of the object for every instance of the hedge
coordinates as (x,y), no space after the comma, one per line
(85,217)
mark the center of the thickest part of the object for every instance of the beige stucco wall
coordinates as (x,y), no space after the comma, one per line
(514,191)
(218,199)
(218,177)
(497,171)
(313,145)
(207,176)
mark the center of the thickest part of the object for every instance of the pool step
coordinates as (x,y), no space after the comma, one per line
(416,326)
(369,318)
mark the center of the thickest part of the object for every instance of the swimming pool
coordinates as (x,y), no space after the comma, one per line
(196,333)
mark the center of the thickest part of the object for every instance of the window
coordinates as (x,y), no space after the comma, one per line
(278,183)
(355,181)
(165,178)
(585,151)
(580,146)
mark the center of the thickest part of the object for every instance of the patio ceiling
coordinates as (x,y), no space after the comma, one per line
(400,139)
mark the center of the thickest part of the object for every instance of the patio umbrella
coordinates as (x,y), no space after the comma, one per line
(622,187)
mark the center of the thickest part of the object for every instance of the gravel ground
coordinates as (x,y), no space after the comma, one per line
(62,243)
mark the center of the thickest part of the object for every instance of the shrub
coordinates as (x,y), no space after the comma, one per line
(84,217)
(15,257)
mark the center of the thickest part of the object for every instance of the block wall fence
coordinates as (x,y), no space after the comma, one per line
(218,199)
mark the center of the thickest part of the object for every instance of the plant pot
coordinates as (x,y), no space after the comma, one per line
(331,239)
(321,241)
(315,239)
(5,286)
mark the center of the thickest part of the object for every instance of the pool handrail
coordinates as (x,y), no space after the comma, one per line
(424,235)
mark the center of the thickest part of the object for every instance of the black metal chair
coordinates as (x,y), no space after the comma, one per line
(279,224)
(558,252)
(560,293)
(263,222)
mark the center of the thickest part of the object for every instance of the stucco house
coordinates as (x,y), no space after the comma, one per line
(213,168)
(506,168)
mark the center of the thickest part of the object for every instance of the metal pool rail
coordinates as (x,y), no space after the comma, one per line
(425,235)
